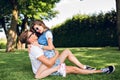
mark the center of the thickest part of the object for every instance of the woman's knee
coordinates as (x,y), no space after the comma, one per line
(65,53)
(67,50)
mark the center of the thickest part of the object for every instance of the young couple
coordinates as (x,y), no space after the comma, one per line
(45,60)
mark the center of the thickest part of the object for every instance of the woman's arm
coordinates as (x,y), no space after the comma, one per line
(50,45)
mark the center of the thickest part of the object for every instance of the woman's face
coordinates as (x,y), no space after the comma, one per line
(38,28)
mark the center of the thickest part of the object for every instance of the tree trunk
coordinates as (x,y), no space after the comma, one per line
(118,21)
(12,35)
(23,28)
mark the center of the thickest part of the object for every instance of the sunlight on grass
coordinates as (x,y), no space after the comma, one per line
(2,61)
(112,64)
(95,48)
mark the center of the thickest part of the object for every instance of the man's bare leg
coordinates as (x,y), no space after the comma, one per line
(68,54)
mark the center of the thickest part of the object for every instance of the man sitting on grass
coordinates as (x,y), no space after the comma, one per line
(42,66)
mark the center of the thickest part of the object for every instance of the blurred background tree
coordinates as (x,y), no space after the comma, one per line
(16,14)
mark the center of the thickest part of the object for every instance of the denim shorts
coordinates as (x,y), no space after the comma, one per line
(57,62)
(49,53)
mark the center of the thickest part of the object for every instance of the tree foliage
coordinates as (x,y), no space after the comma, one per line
(17,13)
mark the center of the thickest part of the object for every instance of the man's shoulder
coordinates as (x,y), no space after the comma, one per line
(36,49)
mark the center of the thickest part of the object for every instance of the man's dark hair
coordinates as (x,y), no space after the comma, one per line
(23,37)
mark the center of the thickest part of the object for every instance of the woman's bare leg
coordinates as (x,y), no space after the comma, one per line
(40,70)
(47,72)
(68,54)
(76,70)
(44,71)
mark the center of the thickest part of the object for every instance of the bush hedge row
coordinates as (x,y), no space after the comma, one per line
(87,30)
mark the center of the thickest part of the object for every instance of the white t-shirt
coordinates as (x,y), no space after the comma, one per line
(35,52)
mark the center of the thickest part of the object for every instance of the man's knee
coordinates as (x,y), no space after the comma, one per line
(37,76)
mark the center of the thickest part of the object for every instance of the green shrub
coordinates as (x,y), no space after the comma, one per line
(2,45)
(87,31)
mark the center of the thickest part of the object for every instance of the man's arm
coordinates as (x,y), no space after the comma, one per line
(48,62)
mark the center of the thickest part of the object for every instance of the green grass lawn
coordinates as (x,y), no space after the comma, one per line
(16,65)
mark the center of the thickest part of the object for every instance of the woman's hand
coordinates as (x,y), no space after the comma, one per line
(56,52)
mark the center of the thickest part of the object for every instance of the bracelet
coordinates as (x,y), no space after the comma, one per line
(41,46)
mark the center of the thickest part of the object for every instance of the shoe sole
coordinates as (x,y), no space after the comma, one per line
(113,69)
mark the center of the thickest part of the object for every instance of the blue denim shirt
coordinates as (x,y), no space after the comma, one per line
(42,40)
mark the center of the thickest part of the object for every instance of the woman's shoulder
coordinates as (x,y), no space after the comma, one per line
(48,31)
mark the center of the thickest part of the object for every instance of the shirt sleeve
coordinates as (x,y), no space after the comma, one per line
(49,35)
(36,51)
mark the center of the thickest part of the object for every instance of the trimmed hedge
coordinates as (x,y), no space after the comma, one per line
(87,30)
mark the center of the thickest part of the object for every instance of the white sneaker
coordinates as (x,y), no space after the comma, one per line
(62,69)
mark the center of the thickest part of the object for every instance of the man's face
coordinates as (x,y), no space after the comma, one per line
(32,37)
